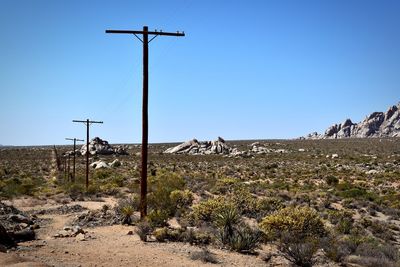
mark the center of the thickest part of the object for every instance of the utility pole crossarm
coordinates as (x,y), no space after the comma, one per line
(149,32)
(74,139)
(87,121)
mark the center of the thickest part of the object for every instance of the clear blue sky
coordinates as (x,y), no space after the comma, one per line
(245,70)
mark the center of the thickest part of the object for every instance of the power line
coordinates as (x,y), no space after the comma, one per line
(145,35)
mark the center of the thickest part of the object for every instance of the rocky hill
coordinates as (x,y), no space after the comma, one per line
(377,124)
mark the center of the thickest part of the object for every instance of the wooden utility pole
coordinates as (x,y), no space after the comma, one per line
(65,168)
(69,166)
(73,168)
(87,122)
(145,33)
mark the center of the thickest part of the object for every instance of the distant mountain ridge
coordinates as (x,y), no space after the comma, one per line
(377,124)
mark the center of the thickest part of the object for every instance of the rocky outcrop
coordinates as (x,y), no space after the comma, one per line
(378,124)
(218,146)
(15,226)
(101,147)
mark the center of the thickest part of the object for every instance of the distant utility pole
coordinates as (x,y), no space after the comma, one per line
(69,166)
(73,168)
(65,167)
(145,33)
(87,122)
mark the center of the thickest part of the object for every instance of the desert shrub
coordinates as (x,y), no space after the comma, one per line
(343,220)
(75,189)
(350,191)
(206,210)
(160,188)
(373,254)
(196,237)
(265,206)
(332,180)
(181,199)
(132,201)
(244,201)
(236,236)
(298,231)
(93,189)
(161,234)
(127,212)
(143,229)
(244,239)
(126,207)
(118,180)
(383,251)
(167,234)
(299,221)
(109,188)
(226,220)
(101,174)
(27,186)
(24,185)
(298,250)
(204,255)
(379,229)
(225,185)
(335,249)
(158,218)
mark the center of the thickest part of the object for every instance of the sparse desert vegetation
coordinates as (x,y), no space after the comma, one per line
(302,206)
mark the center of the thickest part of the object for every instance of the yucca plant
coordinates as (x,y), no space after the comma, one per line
(226,220)
(127,212)
(245,239)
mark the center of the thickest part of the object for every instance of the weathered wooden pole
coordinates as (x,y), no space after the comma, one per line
(145,123)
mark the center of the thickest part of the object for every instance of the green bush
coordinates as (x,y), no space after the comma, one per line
(101,174)
(160,188)
(24,185)
(127,212)
(244,201)
(181,199)
(343,220)
(350,191)
(206,210)
(167,234)
(158,218)
(299,221)
(225,185)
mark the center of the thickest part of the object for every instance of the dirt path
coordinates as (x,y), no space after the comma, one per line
(112,246)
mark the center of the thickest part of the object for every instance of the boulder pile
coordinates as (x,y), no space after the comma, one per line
(377,124)
(98,146)
(260,149)
(219,146)
(102,164)
(15,226)
(194,147)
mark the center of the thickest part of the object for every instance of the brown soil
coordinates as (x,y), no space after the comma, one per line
(110,246)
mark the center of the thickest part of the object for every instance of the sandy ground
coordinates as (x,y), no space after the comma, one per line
(110,246)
